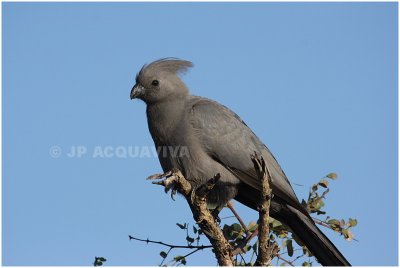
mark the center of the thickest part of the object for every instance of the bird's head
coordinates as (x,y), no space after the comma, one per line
(159,80)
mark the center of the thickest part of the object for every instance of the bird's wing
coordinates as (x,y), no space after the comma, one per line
(228,140)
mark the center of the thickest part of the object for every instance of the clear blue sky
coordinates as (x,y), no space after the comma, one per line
(317,82)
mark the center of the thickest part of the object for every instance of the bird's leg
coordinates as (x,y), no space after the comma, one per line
(215,213)
(205,189)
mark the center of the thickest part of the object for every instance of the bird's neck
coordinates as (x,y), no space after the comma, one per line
(163,119)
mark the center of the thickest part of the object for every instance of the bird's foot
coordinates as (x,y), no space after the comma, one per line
(205,189)
(168,180)
(215,214)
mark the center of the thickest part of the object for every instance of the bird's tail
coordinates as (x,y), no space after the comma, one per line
(304,227)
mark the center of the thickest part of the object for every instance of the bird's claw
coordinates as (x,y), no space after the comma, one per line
(215,214)
(173,193)
(159,176)
(169,182)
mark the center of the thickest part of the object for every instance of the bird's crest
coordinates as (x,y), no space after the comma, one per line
(169,65)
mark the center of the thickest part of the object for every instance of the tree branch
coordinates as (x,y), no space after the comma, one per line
(264,248)
(187,255)
(196,199)
(284,260)
(168,245)
(230,206)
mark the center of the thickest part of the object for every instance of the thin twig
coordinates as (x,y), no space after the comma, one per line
(240,248)
(187,255)
(325,224)
(265,250)
(168,245)
(320,222)
(249,235)
(241,256)
(169,250)
(282,259)
(230,206)
(227,217)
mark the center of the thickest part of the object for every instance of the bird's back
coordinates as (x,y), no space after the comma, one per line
(225,137)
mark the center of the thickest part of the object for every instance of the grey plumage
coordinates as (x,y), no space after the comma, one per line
(216,140)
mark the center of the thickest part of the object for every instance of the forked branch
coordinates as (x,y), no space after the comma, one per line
(196,199)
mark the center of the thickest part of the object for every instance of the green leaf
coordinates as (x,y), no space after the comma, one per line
(178,258)
(252,226)
(316,205)
(227,231)
(332,176)
(352,222)
(348,235)
(324,183)
(246,248)
(306,263)
(236,227)
(98,261)
(163,254)
(306,251)
(277,228)
(274,223)
(189,239)
(182,226)
(284,241)
(320,203)
(289,246)
(183,261)
(255,247)
(314,188)
(272,237)
(233,231)
(333,222)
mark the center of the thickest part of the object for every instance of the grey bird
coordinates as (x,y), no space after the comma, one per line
(212,139)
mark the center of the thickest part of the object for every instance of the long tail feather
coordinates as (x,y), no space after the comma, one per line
(304,227)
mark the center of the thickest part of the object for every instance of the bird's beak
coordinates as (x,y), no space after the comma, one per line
(137,91)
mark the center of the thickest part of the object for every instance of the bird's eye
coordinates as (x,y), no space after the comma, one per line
(155,83)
